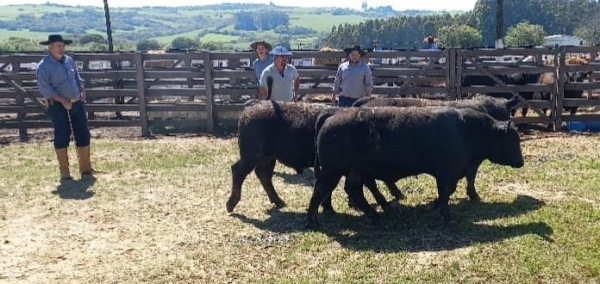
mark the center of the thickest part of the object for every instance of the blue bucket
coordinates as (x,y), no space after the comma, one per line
(576,126)
(593,126)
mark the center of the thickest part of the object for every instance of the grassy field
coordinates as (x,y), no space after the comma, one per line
(156,213)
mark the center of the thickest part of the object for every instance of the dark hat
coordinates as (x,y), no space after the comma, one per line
(375,41)
(56,38)
(347,50)
(256,43)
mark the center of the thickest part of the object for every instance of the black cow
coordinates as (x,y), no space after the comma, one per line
(498,108)
(390,143)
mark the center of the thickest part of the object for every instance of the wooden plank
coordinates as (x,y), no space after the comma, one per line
(511,70)
(580,102)
(528,120)
(48,124)
(581,86)
(585,67)
(507,52)
(172,74)
(141,88)
(581,49)
(560,94)
(210,100)
(502,89)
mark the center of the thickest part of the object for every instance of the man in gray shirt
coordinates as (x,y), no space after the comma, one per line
(285,77)
(353,79)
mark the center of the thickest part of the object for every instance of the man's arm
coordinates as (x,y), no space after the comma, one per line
(296,84)
(337,83)
(262,86)
(368,80)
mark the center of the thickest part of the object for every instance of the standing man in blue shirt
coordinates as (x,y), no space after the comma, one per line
(264,59)
(59,82)
(353,79)
(377,48)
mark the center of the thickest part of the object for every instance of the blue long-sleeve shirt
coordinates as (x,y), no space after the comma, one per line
(353,80)
(58,77)
(259,66)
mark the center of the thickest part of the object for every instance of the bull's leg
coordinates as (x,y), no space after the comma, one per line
(394,190)
(239,171)
(324,185)
(354,189)
(264,172)
(326,204)
(372,186)
(445,188)
(470,176)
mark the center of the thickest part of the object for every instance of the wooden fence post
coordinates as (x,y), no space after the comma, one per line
(141,88)
(451,73)
(562,54)
(458,65)
(208,91)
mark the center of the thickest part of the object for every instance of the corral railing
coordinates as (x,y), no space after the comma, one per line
(158,91)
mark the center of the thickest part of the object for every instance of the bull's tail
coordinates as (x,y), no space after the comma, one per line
(269,87)
(326,113)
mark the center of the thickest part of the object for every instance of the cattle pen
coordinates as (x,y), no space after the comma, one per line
(160,92)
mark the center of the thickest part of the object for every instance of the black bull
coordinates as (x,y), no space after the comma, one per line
(389,143)
(285,132)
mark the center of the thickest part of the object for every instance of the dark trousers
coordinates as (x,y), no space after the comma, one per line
(62,129)
(345,101)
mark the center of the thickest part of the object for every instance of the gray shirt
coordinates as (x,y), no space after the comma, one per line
(283,85)
(353,80)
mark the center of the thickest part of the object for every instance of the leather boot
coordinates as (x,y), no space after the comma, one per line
(85,165)
(62,155)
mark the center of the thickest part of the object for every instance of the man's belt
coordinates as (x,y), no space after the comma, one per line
(48,102)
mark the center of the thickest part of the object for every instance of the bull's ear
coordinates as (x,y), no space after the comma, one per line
(512,102)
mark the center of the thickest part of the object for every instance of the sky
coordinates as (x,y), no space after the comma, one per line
(355,4)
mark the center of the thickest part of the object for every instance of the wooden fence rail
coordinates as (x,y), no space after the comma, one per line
(204,90)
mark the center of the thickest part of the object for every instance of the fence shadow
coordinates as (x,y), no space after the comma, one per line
(416,228)
(75,189)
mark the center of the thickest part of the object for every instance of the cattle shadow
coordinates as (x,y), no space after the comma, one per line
(307,178)
(75,189)
(415,229)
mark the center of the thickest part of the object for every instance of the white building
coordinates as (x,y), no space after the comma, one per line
(564,40)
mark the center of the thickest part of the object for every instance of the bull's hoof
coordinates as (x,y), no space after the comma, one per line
(328,210)
(353,205)
(435,204)
(474,197)
(313,226)
(279,203)
(231,203)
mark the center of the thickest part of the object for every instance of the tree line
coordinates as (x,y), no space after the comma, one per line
(477,28)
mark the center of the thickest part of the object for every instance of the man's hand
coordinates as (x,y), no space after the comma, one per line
(67,104)
(82,94)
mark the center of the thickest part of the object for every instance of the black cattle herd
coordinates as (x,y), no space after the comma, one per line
(384,139)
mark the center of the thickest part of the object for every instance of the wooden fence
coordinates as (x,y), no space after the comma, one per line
(179,91)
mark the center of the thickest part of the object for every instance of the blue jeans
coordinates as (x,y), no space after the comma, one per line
(345,101)
(62,130)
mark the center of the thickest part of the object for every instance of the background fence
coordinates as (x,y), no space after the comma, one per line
(202,91)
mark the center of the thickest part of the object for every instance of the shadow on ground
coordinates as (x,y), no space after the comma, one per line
(418,228)
(75,189)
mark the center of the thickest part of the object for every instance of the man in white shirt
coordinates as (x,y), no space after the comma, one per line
(286,81)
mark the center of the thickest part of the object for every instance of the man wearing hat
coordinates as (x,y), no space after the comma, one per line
(261,48)
(377,48)
(285,77)
(59,82)
(353,79)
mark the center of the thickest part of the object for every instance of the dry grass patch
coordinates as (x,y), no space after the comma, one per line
(157,213)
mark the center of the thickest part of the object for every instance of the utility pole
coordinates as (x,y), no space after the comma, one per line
(108,29)
(499,24)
